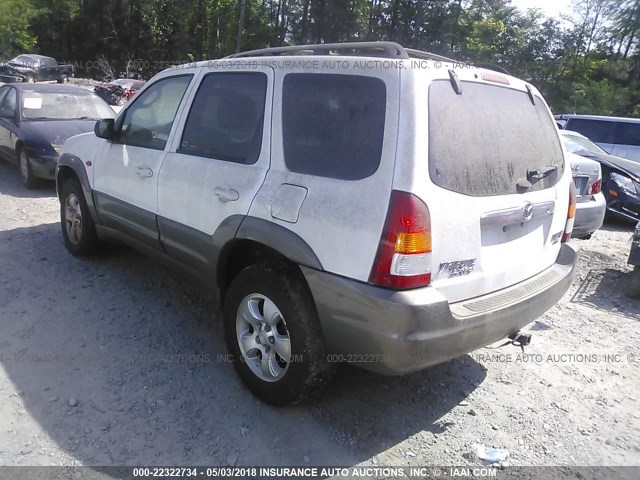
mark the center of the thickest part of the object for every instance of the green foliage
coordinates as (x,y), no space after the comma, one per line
(15,36)
(588,62)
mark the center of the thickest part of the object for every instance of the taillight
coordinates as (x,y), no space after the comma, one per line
(403,259)
(595,187)
(571,214)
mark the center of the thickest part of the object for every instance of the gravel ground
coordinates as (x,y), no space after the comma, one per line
(89,373)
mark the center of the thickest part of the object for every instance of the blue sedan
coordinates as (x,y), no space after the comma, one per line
(36,120)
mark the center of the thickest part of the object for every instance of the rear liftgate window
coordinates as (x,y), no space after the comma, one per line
(483,142)
(333,125)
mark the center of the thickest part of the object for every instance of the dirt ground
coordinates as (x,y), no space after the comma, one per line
(91,372)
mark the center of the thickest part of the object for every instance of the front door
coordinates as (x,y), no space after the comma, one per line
(7,122)
(126,169)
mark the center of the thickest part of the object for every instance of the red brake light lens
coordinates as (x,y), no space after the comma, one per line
(403,259)
(596,187)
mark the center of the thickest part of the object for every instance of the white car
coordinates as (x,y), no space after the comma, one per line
(357,202)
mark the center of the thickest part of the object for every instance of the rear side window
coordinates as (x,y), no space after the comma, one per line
(481,143)
(226,119)
(599,131)
(628,134)
(333,125)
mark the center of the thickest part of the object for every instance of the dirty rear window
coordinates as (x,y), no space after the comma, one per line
(481,143)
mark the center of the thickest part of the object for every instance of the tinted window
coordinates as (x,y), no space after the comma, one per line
(482,142)
(628,134)
(333,125)
(225,121)
(598,131)
(147,122)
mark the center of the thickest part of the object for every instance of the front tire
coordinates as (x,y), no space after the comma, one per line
(78,228)
(29,180)
(273,333)
(63,79)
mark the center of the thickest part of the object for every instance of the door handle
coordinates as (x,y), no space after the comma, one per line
(226,194)
(144,172)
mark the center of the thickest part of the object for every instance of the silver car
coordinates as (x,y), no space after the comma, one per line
(587,177)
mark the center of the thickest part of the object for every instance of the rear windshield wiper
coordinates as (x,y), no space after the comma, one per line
(536,174)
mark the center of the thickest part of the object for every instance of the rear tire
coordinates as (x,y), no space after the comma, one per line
(632,288)
(78,228)
(269,313)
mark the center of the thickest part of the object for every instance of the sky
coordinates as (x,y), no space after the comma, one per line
(551,8)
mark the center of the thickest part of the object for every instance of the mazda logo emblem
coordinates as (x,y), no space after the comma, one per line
(527,212)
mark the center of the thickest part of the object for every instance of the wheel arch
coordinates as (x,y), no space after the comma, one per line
(71,166)
(258,240)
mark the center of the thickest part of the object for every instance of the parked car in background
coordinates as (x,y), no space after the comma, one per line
(591,205)
(324,210)
(9,74)
(118,92)
(33,68)
(617,136)
(36,120)
(620,176)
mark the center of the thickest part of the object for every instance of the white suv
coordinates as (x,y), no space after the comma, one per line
(355,202)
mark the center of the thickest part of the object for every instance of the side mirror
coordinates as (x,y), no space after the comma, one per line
(104,128)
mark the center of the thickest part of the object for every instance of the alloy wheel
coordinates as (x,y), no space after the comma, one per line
(73,218)
(263,337)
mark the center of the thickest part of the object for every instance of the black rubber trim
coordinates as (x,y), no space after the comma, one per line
(279,239)
(75,164)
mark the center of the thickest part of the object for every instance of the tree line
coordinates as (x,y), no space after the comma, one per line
(588,62)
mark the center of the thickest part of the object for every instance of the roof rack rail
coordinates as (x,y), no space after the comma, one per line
(413,53)
(378,49)
(367,49)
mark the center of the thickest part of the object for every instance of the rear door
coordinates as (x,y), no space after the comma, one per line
(219,160)
(600,132)
(627,141)
(497,191)
(8,105)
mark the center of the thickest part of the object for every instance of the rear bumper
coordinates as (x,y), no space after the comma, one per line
(589,216)
(398,332)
